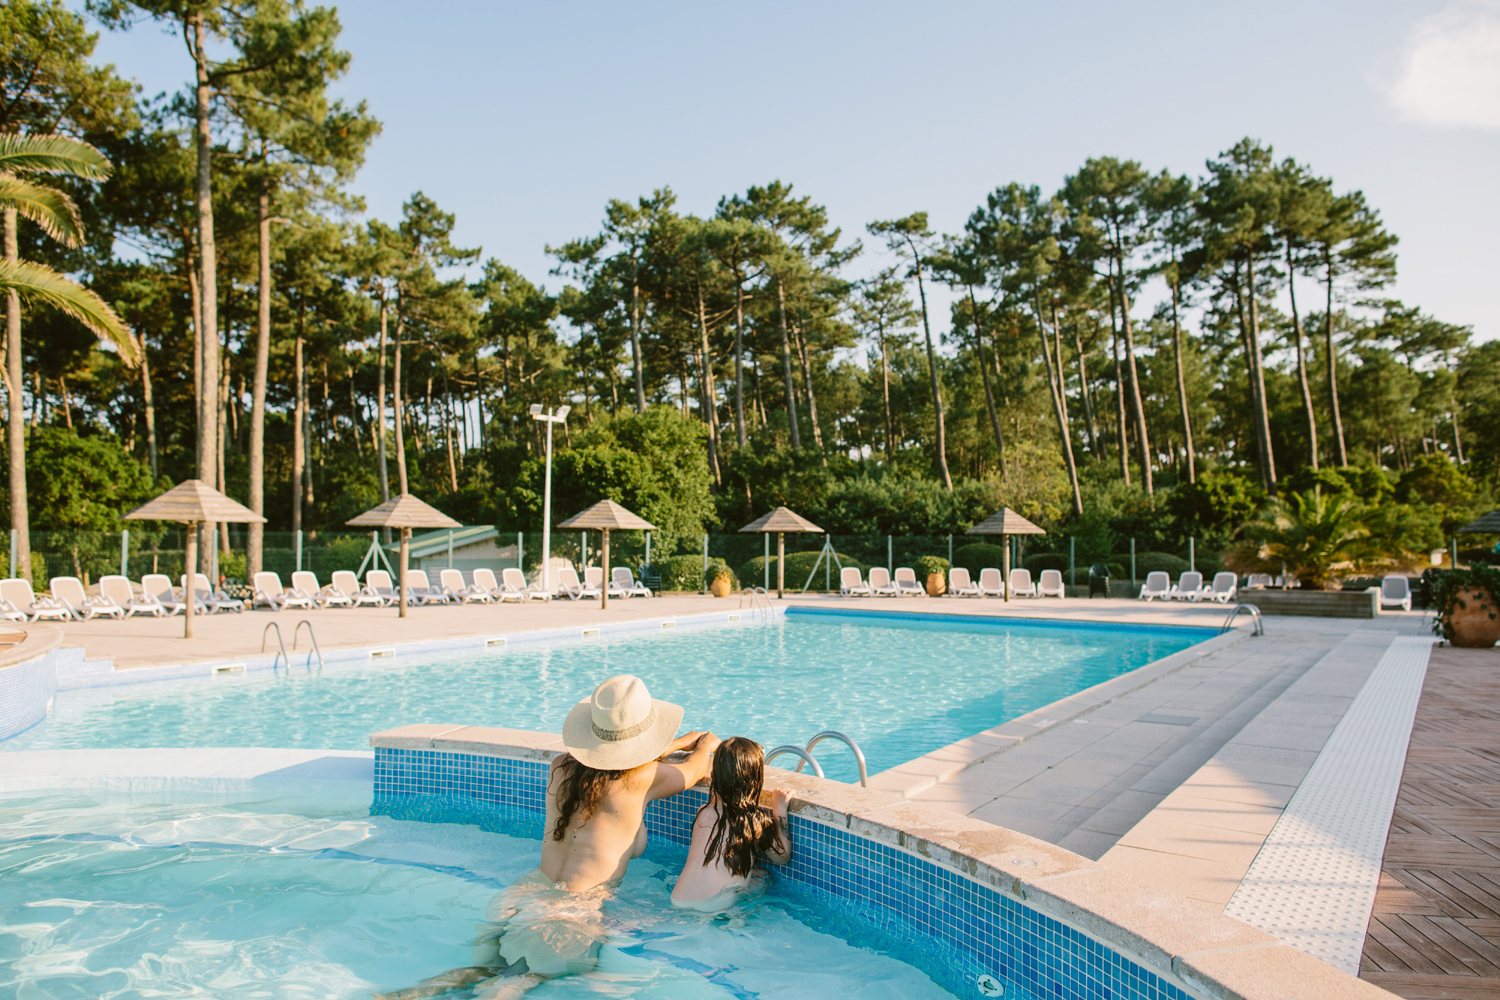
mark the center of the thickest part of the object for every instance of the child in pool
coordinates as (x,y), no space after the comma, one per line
(732,831)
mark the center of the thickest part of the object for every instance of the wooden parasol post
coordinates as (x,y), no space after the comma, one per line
(1005,561)
(606,516)
(405,512)
(604,591)
(405,558)
(780,565)
(190,592)
(781,521)
(1005,523)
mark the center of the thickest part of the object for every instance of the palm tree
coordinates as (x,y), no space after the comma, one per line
(1311,533)
(58,217)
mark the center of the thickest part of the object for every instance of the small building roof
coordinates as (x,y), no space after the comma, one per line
(193,501)
(432,543)
(606,515)
(1006,522)
(1489,524)
(782,519)
(403,511)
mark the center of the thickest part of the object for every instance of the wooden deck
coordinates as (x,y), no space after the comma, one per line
(1435,928)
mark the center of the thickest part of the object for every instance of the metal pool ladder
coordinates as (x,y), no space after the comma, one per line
(1260,628)
(760,602)
(297,631)
(281,654)
(807,758)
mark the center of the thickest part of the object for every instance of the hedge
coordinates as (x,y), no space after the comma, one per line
(681,573)
(1046,560)
(977,556)
(1154,562)
(798,566)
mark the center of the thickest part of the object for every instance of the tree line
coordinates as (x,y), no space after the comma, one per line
(1131,335)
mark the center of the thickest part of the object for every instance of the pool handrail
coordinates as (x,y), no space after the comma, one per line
(1234,611)
(279,642)
(311,635)
(859,755)
(796,751)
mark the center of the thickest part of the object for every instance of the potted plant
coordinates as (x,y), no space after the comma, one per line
(934,570)
(721,581)
(1465,605)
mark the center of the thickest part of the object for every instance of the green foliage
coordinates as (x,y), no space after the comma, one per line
(82,483)
(1160,562)
(683,573)
(1444,592)
(977,556)
(717,571)
(1215,507)
(1312,533)
(1041,561)
(927,565)
(798,566)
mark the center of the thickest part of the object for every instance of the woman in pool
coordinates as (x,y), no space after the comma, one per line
(550,922)
(732,831)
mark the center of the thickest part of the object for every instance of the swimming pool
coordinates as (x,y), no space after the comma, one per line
(901,686)
(284,894)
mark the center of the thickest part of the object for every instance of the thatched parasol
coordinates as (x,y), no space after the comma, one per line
(405,512)
(1489,524)
(1005,524)
(781,521)
(192,502)
(604,517)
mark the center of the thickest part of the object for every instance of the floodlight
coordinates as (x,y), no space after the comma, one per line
(536,409)
(563,411)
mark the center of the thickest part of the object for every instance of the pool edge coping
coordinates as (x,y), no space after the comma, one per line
(1212,955)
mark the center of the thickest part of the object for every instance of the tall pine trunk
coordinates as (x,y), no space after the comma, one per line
(885,388)
(932,374)
(1255,386)
(984,371)
(208,289)
(1114,347)
(400,406)
(1187,421)
(706,390)
(148,398)
(1138,408)
(255,550)
(1059,408)
(1095,444)
(380,448)
(1333,368)
(739,358)
(16,424)
(635,334)
(786,368)
(812,400)
(1263,410)
(1307,403)
(299,444)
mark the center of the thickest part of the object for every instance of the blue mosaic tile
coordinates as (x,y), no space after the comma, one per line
(25,690)
(972,929)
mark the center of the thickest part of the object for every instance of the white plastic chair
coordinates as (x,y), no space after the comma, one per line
(1395,591)
(1051,584)
(379,583)
(158,586)
(118,589)
(270,592)
(10,613)
(1158,584)
(960,584)
(452,583)
(306,582)
(69,591)
(419,589)
(513,587)
(1189,587)
(852,583)
(990,583)
(880,583)
(19,595)
(214,600)
(1258,581)
(623,580)
(906,583)
(568,585)
(1020,583)
(346,585)
(1225,587)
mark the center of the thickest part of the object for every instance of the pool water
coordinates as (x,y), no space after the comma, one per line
(900,687)
(107,896)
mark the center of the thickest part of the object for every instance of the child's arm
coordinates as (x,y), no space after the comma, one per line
(780,851)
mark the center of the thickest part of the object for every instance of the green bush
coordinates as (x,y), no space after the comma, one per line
(1153,562)
(1045,560)
(798,566)
(681,573)
(977,556)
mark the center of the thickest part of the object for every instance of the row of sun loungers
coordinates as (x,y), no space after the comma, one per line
(960,584)
(155,595)
(1190,587)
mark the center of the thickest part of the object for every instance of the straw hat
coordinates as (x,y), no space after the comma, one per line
(621,726)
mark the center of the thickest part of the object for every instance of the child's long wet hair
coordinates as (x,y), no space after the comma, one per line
(743,830)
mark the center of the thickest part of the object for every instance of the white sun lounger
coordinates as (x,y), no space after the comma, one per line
(10,613)
(1020,583)
(214,600)
(960,584)
(19,595)
(306,582)
(623,580)
(420,589)
(378,582)
(1258,581)
(118,589)
(484,579)
(880,583)
(270,592)
(1395,592)
(1158,584)
(990,583)
(158,586)
(452,582)
(1189,587)
(513,582)
(1051,584)
(568,585)
(346,584)
(852,583)
(1225,587)
(69,591)
(906,583)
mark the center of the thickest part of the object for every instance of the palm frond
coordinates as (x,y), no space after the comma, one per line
(36,283)
(53,210)
(52,154)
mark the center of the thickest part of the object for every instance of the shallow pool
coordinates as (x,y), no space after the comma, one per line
(173,894)
(901,687)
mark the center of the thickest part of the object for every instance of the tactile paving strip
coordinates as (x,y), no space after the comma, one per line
(1313,882)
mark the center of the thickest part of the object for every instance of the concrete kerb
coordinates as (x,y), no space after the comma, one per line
(921,773)
(1189,942)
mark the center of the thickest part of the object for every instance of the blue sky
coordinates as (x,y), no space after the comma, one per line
(523,119)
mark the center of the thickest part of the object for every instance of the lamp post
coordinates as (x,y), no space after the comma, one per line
(548,416)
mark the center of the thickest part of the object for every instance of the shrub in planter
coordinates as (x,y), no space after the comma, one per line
(1465,602)
(932,573)
(720,580)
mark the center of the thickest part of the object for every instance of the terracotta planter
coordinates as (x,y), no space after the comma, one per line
(937,585)
(1474,621)
(721,586)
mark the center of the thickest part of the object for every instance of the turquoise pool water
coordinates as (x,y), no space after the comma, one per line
(283,896)
(901,687)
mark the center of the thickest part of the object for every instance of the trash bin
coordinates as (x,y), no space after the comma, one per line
(1099,580)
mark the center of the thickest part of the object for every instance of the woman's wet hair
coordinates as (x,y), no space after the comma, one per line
(581,790)
(743,830)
